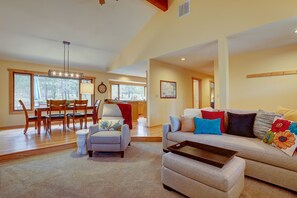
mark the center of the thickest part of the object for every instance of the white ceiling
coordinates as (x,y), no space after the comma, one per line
(200,58)
(138,69)
(33,30)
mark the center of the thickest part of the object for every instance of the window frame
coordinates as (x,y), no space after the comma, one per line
(12,109)
(126,83)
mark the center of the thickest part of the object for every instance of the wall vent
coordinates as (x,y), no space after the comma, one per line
(184,9)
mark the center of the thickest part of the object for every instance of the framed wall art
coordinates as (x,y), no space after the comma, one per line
(167,89)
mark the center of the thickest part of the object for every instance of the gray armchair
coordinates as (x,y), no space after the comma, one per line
(108,141)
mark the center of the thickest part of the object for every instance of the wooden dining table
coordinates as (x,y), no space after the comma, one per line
(38,112)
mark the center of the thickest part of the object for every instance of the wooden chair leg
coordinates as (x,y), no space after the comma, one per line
(64,125)
(73,123)
(86,123)
(44,124)
(80,122)
(68,120)
(26,127)
(35,125)
(50,126)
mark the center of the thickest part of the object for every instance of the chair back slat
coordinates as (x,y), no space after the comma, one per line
(80,105)
(57,105)
(24,109)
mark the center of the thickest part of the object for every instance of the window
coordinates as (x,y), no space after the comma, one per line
(115,92)
(46,88)
(128,92)
(34,88)
(21,90)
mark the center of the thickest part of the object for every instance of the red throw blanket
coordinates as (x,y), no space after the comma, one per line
(126,111)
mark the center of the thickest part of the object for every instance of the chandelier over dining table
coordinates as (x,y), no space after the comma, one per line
(66,73)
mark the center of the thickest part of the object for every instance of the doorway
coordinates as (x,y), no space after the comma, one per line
(197,93)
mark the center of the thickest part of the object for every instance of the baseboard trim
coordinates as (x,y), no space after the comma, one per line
(146,139)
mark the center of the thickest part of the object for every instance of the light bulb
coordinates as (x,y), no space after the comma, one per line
(54,73)
(71,75)
(60,73)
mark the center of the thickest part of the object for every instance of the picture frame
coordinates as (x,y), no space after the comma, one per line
(168,89)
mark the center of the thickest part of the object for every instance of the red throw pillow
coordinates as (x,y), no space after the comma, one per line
(211,115)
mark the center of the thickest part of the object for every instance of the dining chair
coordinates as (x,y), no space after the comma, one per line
(56,106)
(79,113)
(31,118)
(94,113)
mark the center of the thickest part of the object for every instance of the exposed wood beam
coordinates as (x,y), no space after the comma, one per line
(102,2)
(161,4)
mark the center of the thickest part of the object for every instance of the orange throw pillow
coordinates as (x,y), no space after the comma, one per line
(187,124)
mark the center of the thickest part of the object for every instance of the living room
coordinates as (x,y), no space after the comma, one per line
(248,49)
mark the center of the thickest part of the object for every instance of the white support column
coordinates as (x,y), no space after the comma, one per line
(222,74)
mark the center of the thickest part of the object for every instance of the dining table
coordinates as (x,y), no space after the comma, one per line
(38,112)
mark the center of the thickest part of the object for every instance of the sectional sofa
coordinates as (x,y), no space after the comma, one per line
(263,161)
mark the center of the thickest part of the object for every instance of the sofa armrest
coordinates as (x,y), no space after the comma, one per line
(126,137)
(93,129)
(165,130)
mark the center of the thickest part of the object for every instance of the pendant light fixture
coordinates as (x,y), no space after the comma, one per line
(66,73)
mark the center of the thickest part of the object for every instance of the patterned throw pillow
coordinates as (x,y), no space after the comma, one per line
(283,135)
(263,122)
(110,125)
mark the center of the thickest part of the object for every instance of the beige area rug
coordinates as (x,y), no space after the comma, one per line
(65,174)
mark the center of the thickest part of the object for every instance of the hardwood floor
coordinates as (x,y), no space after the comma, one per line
(14,144)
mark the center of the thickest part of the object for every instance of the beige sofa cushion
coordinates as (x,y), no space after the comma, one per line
(249,148)
(106,137)
(219,178)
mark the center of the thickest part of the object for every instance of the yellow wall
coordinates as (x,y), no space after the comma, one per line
(12,120)
(266,92)
(208,21)
(159,109)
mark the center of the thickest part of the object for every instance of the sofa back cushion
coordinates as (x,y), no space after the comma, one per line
(241,124)
(194,112)
(289,114)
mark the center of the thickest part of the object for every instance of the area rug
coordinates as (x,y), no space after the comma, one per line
(66,174)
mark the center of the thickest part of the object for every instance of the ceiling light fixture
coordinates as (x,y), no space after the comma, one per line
(66,73)
(295,31)
(183,59)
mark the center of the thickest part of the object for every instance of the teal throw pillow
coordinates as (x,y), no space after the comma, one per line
(205,126)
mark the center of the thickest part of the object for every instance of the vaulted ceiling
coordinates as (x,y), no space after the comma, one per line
(33,30)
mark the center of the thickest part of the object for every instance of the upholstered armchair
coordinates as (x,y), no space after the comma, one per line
(108,140)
